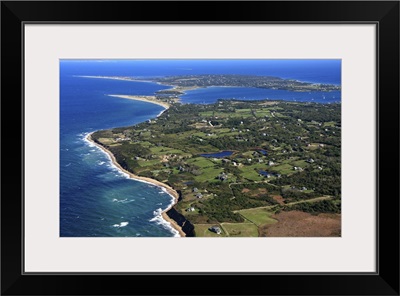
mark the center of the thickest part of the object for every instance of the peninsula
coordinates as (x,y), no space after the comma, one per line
(149,99)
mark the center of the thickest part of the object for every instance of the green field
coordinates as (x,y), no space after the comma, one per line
(249,173)
(166,150)
(222,130)
(202,162)
(208,174)
(240,229)
(300,163)
(263,113)
(258,216)
(329,124)
(284,169)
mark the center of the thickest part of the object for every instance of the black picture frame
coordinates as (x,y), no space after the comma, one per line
(385,281)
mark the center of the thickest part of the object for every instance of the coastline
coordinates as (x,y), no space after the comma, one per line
(149,99)
(169,189)
(154,100)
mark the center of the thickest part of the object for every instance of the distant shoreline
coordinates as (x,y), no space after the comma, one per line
(182,89)
(173,87)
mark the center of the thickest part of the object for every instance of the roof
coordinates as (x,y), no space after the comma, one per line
(215,228)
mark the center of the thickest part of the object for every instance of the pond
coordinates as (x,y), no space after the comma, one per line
(221,154)
(263,152)
(264,173)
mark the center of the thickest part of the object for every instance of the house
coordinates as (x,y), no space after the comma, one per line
(265,174)
(191,209)
(215,229)
(195,189)
(199,195)
(270,163)
(310,160)
(222,177)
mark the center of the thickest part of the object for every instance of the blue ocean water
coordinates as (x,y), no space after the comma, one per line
(96,199)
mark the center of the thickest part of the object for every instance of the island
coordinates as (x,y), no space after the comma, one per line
(270,82)
(182,83)
(238,168)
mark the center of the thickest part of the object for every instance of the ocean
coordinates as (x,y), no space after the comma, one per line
(98,200)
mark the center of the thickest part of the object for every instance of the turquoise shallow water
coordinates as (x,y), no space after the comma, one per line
(96,199)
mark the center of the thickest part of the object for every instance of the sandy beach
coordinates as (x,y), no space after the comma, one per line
(149,99)
(112,77)
(169,189)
